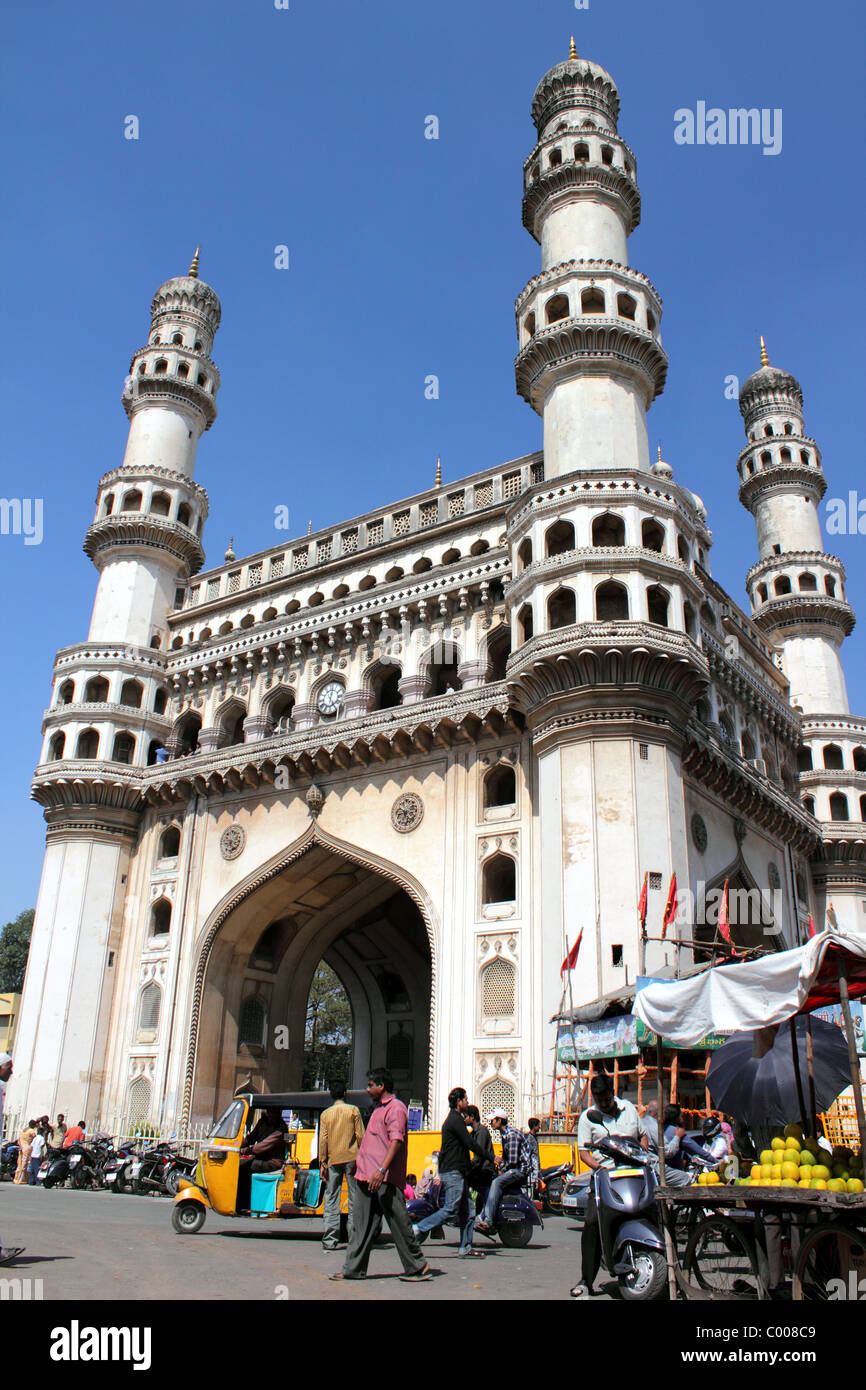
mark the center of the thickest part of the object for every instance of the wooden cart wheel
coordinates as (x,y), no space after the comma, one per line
(721,1259)
(831,1263)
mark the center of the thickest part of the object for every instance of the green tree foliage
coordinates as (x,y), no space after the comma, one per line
(327,1032)
(14,945)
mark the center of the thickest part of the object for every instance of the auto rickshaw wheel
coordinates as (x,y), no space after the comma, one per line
(188,1217)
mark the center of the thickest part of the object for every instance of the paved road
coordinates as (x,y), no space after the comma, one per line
(99,1245)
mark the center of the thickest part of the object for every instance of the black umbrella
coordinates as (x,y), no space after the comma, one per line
(763,1090)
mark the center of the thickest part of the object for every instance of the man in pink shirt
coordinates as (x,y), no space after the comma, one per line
(380,1174)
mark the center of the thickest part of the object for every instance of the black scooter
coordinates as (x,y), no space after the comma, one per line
(516,1217)
(632,1245)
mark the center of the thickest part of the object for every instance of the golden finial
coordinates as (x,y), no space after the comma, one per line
(765,361)
(230,553)
(660,453)
(572,50)
(437,481)
(309,527)
(193,269)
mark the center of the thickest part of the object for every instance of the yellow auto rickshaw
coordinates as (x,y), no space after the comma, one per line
(294,1190)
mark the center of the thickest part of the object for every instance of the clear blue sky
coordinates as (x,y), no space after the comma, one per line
(305,127)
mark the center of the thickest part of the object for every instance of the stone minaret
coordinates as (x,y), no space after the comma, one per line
(108,714)
(798,597)
(591,359)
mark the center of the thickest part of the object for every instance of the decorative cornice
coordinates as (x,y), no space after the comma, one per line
(565,180)
(144,473)
(124,529)
(777,563)
(816,725)
(843,777)
(125,714)
(776,712)
(629,487)
(147,390)
(615,269)
(82,782)
(750,795)
(775,477)
(792,610)
(651,563)
(588,343)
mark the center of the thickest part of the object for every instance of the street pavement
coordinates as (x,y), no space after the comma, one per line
(98,1245)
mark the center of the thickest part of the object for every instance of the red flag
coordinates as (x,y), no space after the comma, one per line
(641,904)
(811,925)
(571,959)
(724,924)
(671,906)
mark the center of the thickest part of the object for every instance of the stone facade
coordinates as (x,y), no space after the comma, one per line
(431,743)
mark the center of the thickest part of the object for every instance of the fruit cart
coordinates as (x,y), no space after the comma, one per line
(719,1238)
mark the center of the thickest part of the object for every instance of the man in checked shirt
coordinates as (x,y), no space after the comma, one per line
(513,1166)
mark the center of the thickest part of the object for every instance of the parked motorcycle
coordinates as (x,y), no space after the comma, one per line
(551,1187)
(8,1160)
(179,1166)
(632,1246)
(54,1170)
(516,1217)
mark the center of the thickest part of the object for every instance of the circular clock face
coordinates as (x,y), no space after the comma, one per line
(330,698)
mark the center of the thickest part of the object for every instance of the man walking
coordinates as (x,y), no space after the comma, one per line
(380,1174)
(455,1160)
(341,1130)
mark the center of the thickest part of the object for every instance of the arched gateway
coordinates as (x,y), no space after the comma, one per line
(319,899)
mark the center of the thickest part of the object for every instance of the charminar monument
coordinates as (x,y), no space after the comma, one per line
(430,743)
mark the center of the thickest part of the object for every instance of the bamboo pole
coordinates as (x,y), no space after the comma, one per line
(670,1253)
(853,1059)
(810,1061)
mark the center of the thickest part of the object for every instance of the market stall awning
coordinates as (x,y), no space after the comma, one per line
(731,998)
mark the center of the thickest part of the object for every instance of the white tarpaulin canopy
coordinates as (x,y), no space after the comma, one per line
(732,998)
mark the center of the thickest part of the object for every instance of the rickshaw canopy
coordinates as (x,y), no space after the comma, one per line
(734,998)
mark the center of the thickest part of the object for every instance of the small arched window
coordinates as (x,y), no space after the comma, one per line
(160,700)
(131,501)
(782,586)
(177,337)
(561,609)
(525,623)
(96,691)
(524,555)
(762,593)
(500,786)
(557,308)
(107,503)
(859,757)
(830,585)
(529,326)
(131,693)
(626,306)
(184,514)
(498,652)
(581,153)
(232,726)
(123,750)
(160,917)
(592,302)
(658,601)
(56,747)
(499,880)
(183,370)
(161,367)
(148,1012)
(88,744)
(606,155)
(653,536)
(839,806)
(608,530)
(66,693)
(708,617)
(385,683)
(555,158)
(169,843)
(809,804)
(611,602)
(804,759)
(187,732)
(498,990)
(559,539)
(160,504)
(833,760)
(747,743)
(808,584)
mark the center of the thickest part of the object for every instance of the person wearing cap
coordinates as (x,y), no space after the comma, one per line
(512,1166)
(455,1161)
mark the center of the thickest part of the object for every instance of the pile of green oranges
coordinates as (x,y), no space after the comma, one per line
(792,1161)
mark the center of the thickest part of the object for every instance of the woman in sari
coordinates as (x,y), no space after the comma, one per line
(25,1139)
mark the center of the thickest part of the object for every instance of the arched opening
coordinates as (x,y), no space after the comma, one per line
(88,744)
(123,750)
(281,713)
(859,758)
(747,743)
(169,842)
(160,917)
(66,693)
(385,686)
(252,1025)
(131,501)
(561,609)
(184,514)
(750,918)
(160,700)
(524,555)
(441,670)
(498,880)
(581,153)
(230,723)
(833,760)
(626,306)
(830,585)
(653,536)
(555,158)
(186,734)
(149,1003)
(559,539)
(131,693)
(529,326)
(498,996)
(782,585)
(689,619)
(153,751)
(498,652)
(658,605)
(96,691)
(804,759)
(807,584)
(708,617)
(525,623)
(611,602)
(500,786)
(863,808)
(608,530)
(592,302)
(349,971)
(160,504)
(56,747)
(839,806)
(762,593)
(809,804)
(107,504)
(557,308)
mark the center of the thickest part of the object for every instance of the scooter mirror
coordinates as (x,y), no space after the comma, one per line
(595,1117)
